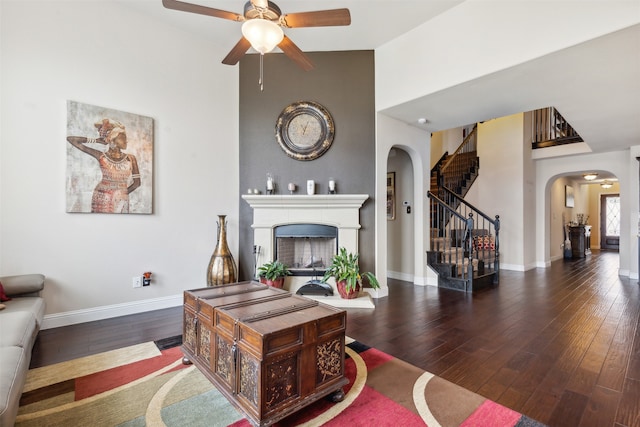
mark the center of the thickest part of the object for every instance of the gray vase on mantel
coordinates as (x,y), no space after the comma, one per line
(222,267)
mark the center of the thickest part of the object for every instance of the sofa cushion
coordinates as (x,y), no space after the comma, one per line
(13,375)
(3,296)
(18,329)
(458,235)
(33,305)
(24,284)
(484,243)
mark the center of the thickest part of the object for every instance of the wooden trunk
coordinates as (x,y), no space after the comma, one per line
(269,352)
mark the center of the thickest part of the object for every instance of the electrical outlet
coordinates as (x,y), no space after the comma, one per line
(137,282)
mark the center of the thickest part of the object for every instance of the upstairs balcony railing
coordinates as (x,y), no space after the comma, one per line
(551,129)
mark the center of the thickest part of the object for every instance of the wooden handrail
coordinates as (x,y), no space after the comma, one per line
(454,172)
(469,144)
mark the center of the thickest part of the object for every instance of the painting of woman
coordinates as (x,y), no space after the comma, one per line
(118,177)
(120,174)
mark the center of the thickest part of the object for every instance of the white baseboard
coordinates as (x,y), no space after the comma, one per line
(377,293)
(416,280)
(67,318)
(400,276)
(512,267)
(420,281)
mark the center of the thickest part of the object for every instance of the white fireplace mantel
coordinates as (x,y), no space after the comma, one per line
(338,210)
(329,201)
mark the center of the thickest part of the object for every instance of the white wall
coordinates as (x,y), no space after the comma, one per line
(528,193)
(633,220)
(1,121)
(407,75)
(106,54)
(393,133)
(498,190)
(443,141)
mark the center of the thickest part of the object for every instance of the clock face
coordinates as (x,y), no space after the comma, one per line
(305,130)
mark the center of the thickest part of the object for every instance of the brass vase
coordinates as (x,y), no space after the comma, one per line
(222,268)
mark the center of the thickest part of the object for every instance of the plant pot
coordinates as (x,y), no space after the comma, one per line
(276,283)
(353,293)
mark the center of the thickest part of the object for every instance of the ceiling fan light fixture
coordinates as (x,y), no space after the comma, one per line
(264,35)
(590,176)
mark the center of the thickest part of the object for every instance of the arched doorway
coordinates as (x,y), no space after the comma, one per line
(585,208)
(400,216)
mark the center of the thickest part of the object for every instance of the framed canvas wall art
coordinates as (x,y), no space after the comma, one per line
(569,200)
(109,160)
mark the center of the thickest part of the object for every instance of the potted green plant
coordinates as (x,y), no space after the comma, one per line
(346,272)
(273,273)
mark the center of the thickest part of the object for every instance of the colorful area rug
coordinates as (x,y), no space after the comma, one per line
(146,385)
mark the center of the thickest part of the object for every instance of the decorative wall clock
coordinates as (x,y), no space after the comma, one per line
(305,130)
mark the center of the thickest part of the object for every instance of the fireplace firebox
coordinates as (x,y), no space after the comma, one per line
(306,249)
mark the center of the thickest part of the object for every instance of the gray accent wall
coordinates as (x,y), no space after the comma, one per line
(343,82)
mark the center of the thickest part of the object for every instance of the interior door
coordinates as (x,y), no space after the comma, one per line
(610,222)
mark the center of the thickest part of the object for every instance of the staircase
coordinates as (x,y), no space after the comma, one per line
(464,241)
(455,172)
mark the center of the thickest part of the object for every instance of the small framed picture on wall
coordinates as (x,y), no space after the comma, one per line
(391,195)
(568,196)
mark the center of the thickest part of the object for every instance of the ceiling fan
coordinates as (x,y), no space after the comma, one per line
(262,27)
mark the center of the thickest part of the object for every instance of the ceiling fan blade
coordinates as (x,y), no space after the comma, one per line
(202,10)
(237,52)
(320,18)
(260,3)
(295,54)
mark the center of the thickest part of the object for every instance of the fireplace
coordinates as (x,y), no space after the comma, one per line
(334,221)
(306,249)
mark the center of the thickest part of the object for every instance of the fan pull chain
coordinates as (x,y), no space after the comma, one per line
(261,79)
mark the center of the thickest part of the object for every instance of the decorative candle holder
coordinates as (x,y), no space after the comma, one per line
(332,186)
(291,187)
(311,187)
(270,184)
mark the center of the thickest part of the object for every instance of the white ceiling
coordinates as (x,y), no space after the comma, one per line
(373,22)
(594,85)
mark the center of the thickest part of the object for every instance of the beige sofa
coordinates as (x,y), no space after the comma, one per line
(20,322)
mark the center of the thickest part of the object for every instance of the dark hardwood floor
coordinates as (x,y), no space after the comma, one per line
(559,344)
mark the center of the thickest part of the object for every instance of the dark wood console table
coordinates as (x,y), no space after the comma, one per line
(578,241)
